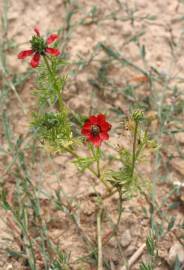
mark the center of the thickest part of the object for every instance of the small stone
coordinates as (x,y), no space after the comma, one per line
(135,231)
(13,15)
(177,250)
(178,165)
(180,137)
(127,29)
(87,207)
(9,267)
(126,238)
(113,243)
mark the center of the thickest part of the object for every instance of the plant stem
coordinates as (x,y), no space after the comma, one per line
(98,156)
(54,83)
(99,239)
(120,210)
(98,167)
(90,169)
(134,148)
(109,194)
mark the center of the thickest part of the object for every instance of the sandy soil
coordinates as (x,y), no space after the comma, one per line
(162,36)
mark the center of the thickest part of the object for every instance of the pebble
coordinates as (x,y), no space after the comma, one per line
(126,238)
(180,137)
(178,165)
(177,250)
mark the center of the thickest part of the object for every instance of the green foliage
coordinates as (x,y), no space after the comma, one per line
(3,200)
(157,228)
(26,215)
(126,178)
(53,129)
(61,263)
(137,116)
(178,265)
(96,152)
(146,266)
(150,244)
(152,252)
(126,157)
(83,163)
(171,223)
(49,84)
(122,179)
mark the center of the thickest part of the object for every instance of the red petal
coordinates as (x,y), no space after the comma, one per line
(93,120)
(87,124)
(86,128)
(101,117)
(52,38)
(37,30)
(35,60)
(105,126)
(24,54)
(96,140)
(53,51)
(104,136)
(85,131)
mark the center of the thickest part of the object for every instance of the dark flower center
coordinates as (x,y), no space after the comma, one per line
(38,44)
(95,130)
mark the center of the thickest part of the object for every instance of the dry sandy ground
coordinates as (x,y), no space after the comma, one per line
(158,38)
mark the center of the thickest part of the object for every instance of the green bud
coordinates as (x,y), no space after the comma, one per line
(38,44)
(138,115)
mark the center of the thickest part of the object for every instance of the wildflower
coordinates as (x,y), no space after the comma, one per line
(39,47)
(96,129)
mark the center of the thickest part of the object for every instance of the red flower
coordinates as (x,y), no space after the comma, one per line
(96,129)
(39,47)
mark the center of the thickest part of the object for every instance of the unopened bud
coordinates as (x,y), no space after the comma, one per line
(137,115)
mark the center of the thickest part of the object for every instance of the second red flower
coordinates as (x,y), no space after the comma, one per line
(96,129)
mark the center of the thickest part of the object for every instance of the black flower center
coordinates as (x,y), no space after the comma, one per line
(38,44)
(95,130)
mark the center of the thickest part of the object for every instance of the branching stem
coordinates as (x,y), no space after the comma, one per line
(134,148)
(75,155)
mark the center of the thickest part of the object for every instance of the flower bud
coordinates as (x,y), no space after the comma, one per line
(138,115)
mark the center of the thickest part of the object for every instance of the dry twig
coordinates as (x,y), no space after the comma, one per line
(134,257)
(99,239)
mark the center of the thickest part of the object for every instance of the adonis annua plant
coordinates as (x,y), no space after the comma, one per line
(58,134)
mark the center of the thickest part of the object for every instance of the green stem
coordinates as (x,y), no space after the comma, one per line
(48,66)
(98,167)
(109,194)
(96,156)
(120,210)
(54,83)
(28,245)
(134,148)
